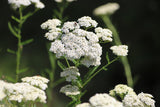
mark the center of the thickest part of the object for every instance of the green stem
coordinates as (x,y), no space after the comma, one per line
(67,62)
(19,46)
(61,80)
(91,77)
(117,41)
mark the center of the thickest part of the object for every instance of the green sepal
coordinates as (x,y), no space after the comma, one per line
(26,42)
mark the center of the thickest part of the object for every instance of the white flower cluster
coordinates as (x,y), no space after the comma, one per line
(142,100)
(84,105)
(18,3)
(70,90)
(104,34)
(21,92)
(70,73)
(146,99)
(36,81)
(130,99)
(52,26)
(59,1)
(121,90)
(74,41)
(2,94)
(87,21)
(24,92)
(70,26)
(101,100)
(106,9)
(121,50)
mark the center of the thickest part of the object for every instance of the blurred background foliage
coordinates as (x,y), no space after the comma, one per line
(138,23)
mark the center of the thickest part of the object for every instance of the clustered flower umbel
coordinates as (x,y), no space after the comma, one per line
(70,90)
(71,74)
(101,100)
(74,41)
(60,1)
(18,3)
(106,9)
(120,50)
(121,90)
(24,91)
(36,81)
(130,99)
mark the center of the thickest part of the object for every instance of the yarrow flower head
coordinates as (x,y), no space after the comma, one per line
(52,26)
(70,26)
(70,90)
(104,100)
(59,1)
(146,99)
(2,94)
(25,92)
(106,9)
(132,101)
(70,73)
(104,34)
(84,105)
(101,100)
(121,91)
(73,41)
(87,21)
(22,92)
(121,50)
(18,3)
(37,81)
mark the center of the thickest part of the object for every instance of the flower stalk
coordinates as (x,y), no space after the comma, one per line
(117,41)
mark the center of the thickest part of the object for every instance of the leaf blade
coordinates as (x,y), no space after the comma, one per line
(11,51)
(12,30)
(26,42)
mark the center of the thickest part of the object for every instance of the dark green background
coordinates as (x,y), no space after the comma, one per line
(138,23)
